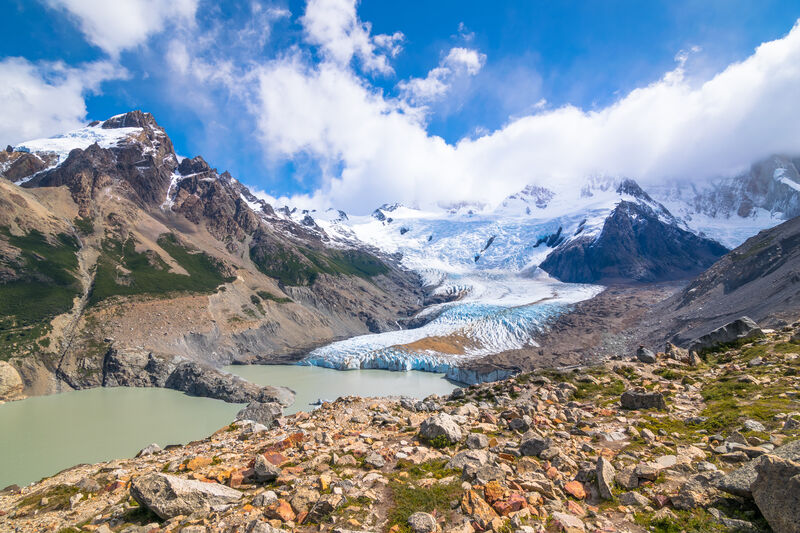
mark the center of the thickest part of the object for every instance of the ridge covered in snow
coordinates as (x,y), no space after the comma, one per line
(62,145)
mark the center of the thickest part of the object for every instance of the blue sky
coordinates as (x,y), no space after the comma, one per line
(334,102)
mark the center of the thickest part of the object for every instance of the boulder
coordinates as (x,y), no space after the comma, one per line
(640,399)
(422,523)
(264,471)
(468,457)
(675,353)
(261,412)
(150,449)
(698,491)
(11,384)
(327,504)
(776,491)
(533,444)
(375,460)
(605,478)
(633,499)
(738,481)
(741,329)
(645,356)
(169,496)
(477,441)
(440,425)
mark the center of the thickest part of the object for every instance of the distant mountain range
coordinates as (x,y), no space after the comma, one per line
(109,239)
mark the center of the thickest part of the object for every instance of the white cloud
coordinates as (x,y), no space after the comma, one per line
(334,26)
(457,63)
(674,127)
(117,25)
(43,99)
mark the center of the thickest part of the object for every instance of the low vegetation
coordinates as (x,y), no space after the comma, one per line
(122,271)
(42,284)
(303,268)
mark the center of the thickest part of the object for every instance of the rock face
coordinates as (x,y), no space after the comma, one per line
(10,382)
(138,368)
(639,241)
(776,491)
(639,399)
(170,496)
(741,329)
(440,425)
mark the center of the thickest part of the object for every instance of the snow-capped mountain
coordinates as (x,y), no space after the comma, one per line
(495,277)
(732,209)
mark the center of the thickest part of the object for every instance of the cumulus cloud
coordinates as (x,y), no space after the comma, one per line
(116,26)
(379,150)
(334,26)
(43,99)
(457,63)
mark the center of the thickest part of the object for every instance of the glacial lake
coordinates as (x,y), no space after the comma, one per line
(43,435)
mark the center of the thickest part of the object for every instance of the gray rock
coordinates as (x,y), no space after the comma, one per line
(627,477)
(568,522)
(520,424)
(738,481)
(776,491)
(264,471)
(645,356)
(265,498)
(791,424)
(303,499)
(753,425)
(261,412)
(533,444)
(422,523)
(88,485)
(698,491)
(640,399)
(326,504)
(169,496)
(477,441)
(149,450)
(440,424)
(468,457)
(257,526)
(605,478)
(741,329)
(633,499)
(482,474)
(375,460)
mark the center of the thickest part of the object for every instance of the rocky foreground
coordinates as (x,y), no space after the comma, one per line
(676,441)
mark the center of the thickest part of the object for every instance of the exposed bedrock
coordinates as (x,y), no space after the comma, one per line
(140,368)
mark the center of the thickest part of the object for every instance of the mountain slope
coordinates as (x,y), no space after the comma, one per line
(759,279)
(115,241)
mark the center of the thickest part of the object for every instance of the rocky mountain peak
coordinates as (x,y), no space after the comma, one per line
(631,188)
(196,165)
(132,119)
